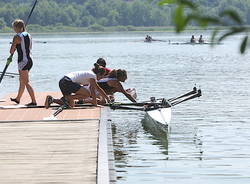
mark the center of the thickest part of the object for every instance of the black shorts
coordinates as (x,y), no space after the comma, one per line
(67,86)
(25,65)
(28,66)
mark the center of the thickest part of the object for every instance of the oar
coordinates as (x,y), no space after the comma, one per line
(9,60)
(159,40)
(10,73)
(7,75)
(5,68)
(32,9)
(196,95)
(38,106)
(58,111)
(175,98)
(186,94)
(126,108)
(134,104)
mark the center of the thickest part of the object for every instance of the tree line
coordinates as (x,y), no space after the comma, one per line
(84,13)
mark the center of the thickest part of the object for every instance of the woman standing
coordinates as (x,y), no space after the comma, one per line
(22,42)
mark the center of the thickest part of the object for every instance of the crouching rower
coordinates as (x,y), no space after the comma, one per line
(112,84)
(80,85)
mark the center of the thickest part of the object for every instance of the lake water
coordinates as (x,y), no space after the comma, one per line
(209,141)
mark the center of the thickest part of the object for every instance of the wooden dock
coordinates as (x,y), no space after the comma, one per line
(76,147)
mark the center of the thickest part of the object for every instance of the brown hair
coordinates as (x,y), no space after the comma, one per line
(118,74)
(18,23)
(101,62)
(98,69)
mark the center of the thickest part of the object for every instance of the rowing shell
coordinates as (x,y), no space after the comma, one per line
(158,118)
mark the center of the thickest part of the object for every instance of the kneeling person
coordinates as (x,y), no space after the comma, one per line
(79,85)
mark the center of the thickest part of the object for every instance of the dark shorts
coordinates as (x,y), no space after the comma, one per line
(67,86)
(27,66)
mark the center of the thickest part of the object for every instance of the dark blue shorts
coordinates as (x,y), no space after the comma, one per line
(67,86)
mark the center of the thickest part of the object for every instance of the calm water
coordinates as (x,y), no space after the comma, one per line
(209,140)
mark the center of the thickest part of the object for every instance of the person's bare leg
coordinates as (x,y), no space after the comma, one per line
(70,99)
(22,83)
(29,87)
(58,101)
(80,94)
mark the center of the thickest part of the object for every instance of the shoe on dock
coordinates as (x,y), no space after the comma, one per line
(48,101)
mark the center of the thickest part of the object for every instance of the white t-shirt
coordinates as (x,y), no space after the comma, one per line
(82,77)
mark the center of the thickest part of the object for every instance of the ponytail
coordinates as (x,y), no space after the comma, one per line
(18,23)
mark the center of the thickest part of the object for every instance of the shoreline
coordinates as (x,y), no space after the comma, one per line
(87,30)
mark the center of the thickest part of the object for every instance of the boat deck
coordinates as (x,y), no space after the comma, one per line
(71,149)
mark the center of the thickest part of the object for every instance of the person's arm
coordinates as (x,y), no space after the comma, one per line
(119,88)
(95,86)
(16,40)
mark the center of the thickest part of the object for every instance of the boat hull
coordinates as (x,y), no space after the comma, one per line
(158,119)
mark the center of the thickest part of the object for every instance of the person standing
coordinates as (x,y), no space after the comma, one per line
(22,42)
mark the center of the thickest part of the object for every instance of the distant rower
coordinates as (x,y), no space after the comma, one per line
(148,38)
(201,39)
(192,39)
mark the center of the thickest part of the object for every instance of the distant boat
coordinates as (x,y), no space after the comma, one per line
(40,41)
(154,40)
(195,43)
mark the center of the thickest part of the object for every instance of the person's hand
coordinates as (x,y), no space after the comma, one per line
(112,98)
(108,99)
(9,59)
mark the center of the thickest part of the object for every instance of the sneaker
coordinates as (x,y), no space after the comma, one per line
(14,100)
(48,101)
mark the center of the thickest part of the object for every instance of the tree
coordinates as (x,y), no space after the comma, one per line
(2,23)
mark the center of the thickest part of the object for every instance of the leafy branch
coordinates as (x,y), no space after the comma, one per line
(186,11)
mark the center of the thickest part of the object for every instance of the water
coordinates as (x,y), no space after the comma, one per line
(209,140)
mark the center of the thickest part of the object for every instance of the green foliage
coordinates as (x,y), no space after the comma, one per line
(96,15)
(96,27)
(186,12)
(2,23)
(86,12)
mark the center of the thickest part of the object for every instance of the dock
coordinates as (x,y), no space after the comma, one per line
(75,147)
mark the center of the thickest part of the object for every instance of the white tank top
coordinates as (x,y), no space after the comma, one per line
(82,77)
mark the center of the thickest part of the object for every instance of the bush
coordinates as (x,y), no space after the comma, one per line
(96,27)
(131,28)
(121,28)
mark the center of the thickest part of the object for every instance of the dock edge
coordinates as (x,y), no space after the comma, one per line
(105,163)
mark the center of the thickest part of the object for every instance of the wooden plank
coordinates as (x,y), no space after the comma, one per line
(48,152)
(27,114)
